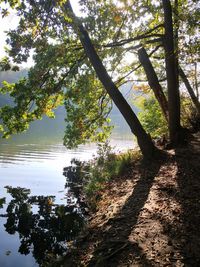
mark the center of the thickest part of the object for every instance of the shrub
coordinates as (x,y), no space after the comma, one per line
(189,114)
(105,167)
(151,117)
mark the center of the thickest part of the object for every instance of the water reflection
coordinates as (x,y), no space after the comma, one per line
(2,202)
(44,227)
(74,184)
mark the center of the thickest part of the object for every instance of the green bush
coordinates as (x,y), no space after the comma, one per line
(151,117)
(104,167)
(153,120)
(189,113)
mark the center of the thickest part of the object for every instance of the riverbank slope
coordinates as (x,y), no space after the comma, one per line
(148,217)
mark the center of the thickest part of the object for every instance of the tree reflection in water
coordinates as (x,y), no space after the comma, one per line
(76,174)
(43,226)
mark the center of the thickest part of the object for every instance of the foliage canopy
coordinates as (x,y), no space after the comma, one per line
(62,74)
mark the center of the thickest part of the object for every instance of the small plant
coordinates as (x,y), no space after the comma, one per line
(104,150)
(94,174)
(103,168)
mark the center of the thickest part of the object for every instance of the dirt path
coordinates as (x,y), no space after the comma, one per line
(149,217)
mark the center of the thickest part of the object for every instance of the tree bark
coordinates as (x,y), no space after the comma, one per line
(144,140)
(195,79)
(190,90)
(172,75)
(176,34)
(153,81)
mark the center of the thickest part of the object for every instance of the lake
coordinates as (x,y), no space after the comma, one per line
(39,211)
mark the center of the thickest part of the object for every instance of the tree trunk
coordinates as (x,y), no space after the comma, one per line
(190,90)
(195,79)
(144,140)
(172,75)
(176,43)
(153,81)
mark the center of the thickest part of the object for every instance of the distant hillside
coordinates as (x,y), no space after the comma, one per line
(11,77)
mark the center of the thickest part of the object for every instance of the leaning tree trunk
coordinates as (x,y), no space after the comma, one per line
(172,75)
(144,140)
(153,81)
(190,90)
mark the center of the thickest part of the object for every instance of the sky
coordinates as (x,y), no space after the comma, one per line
(11,21)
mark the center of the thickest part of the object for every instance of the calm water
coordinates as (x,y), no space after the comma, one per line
(39,211)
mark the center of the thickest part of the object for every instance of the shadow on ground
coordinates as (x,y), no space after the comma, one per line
(159,224)
(188,179)
(115,240)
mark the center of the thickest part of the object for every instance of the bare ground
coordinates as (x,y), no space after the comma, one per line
(148,217)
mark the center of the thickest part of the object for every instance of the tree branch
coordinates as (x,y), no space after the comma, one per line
(139,37)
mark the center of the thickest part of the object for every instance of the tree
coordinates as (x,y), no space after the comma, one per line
(189,43)
(143,138)
(172,75)
(23,113)
(153,81)
(190,90)
(60,42)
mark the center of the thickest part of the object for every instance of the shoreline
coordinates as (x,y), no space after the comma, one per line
(147,217)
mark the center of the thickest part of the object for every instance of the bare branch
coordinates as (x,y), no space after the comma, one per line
(139,37)
(136,68)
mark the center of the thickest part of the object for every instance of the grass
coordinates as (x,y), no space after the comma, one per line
(103,168)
